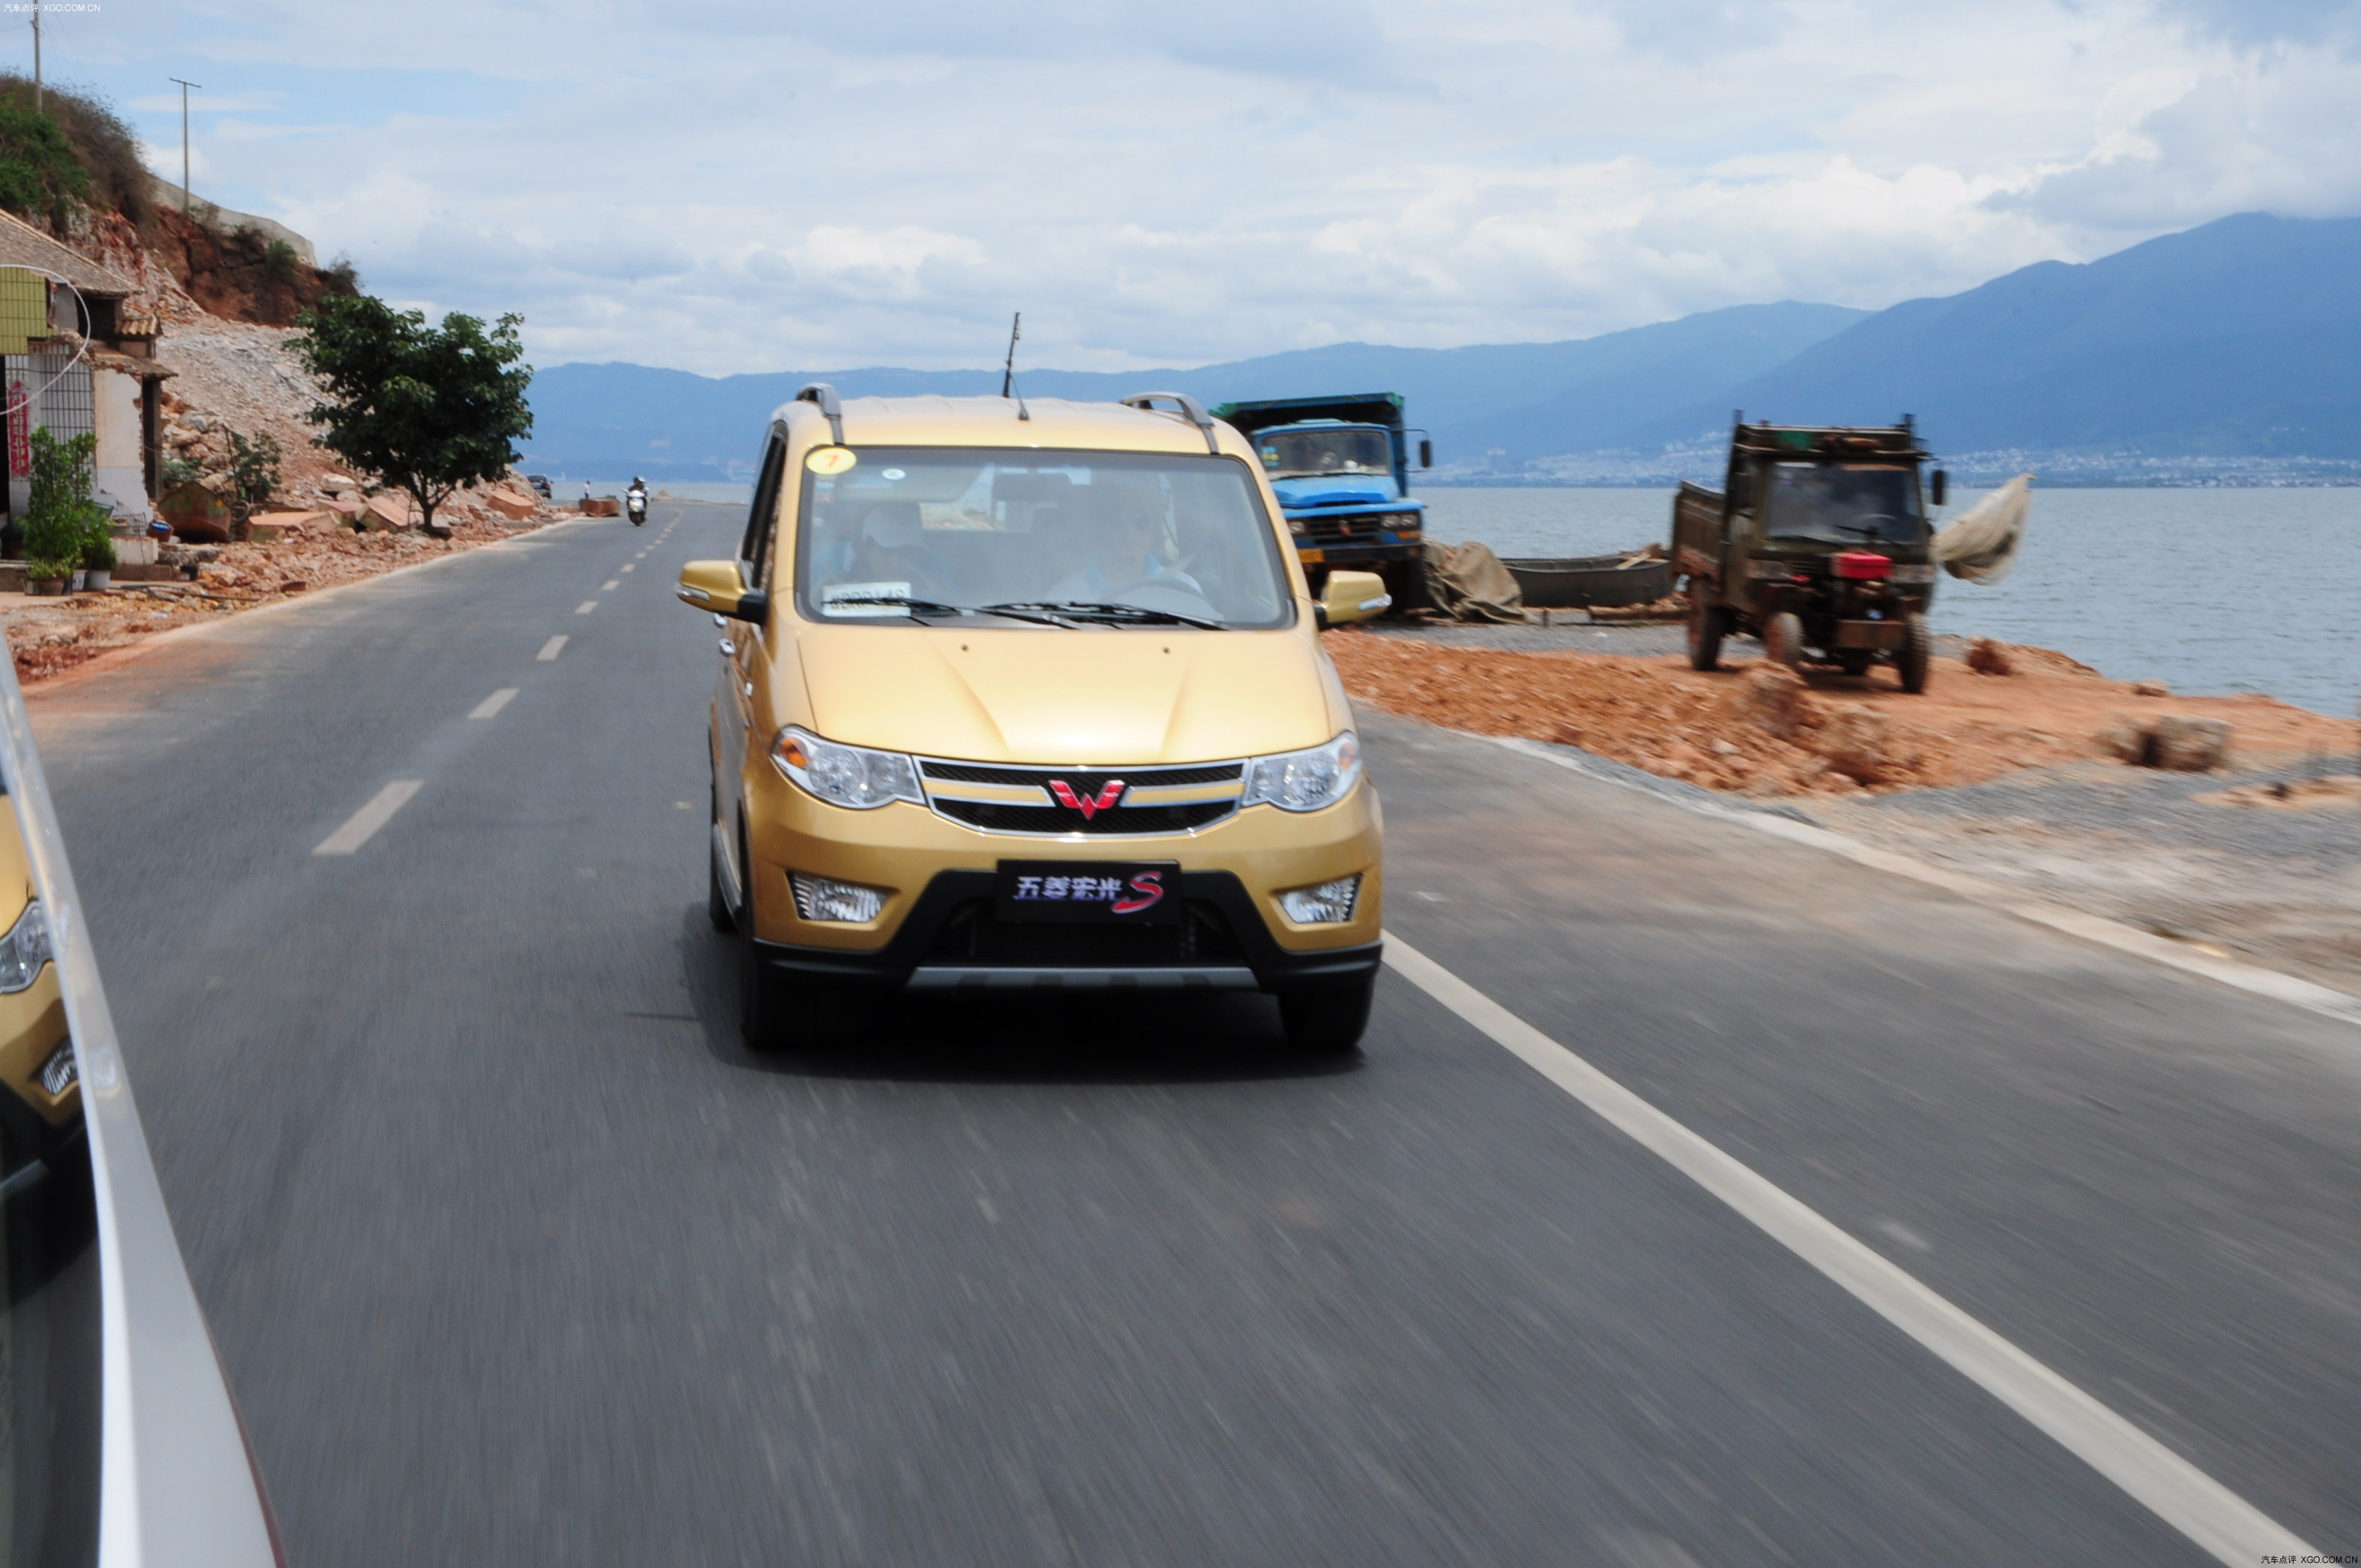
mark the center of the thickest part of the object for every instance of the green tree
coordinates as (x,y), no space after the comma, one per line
(424,407)
(62,523)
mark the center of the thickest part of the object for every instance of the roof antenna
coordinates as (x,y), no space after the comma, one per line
(1008,371)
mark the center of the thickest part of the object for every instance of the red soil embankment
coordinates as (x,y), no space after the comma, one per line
(1757,730)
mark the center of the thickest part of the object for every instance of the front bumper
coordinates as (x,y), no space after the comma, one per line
(1355,552)
(948,941)
(938,928)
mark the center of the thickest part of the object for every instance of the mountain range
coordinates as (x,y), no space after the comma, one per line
(2233,341)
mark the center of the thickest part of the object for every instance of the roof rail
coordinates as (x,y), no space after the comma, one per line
(823,394)
(1191,410)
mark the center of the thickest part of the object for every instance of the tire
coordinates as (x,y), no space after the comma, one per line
(1708,623)
(717,898)
(1328,1021)
(1783,640)
(1911,659)
(762,998)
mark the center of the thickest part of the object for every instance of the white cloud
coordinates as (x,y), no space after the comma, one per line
(749,186)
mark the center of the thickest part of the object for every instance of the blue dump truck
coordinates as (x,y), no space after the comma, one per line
(1341,465)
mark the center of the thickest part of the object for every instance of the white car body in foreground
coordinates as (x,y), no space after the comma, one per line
(175,1480)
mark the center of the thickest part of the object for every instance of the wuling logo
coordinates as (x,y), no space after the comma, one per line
(1090,806)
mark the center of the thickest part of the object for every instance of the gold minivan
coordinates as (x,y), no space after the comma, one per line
(1017,697)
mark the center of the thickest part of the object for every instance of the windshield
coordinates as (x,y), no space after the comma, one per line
(1846,503)
(1184,537)
(1316,452)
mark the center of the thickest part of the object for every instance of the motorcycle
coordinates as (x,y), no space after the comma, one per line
(636,501)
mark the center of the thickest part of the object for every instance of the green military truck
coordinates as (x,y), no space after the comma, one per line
(1818,544)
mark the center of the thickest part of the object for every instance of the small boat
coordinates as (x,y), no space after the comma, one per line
(1591,582)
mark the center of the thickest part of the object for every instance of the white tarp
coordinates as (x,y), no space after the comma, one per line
(1981,543)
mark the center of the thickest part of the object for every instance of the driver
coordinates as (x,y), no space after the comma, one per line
(1122,556)
(892,549)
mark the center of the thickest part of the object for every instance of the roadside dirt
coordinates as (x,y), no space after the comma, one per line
(49,636)
(1754,728)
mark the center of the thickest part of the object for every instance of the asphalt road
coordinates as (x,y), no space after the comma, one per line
(515,1256)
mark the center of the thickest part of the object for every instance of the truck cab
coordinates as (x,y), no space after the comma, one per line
(1340,467)
(1819,545)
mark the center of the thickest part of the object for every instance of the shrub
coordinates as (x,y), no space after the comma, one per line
(39,177)
(103,147)
(58,511)
(254,465)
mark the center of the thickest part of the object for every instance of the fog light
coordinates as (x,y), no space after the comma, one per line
(1330,904)
(823,898)
(58,1073)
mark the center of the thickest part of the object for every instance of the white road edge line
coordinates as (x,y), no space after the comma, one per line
(493,704)
(2208,1513)
(2115,934)
(551,649)
(586,607)
(363,824)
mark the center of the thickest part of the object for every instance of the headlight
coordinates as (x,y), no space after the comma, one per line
(1305,781)
(825,898)
(23,950)
(1330,904)
(852,776)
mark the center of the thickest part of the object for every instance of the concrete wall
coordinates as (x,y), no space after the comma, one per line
(121,477)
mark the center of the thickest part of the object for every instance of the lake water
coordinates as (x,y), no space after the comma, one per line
(2209,591)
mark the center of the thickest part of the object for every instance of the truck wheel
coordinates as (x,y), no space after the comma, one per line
(1783,640)
(1406,581)
(1707,622)
(1327,1021)
(1910,660)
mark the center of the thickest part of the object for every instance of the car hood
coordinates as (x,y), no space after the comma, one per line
(1123,698)
(1352,491)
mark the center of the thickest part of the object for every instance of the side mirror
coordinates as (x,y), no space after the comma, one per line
(1426,453)
(716,586)
(1351,596)
(1942,483)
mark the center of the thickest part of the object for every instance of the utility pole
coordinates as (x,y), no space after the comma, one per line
(37,56)
(184,133)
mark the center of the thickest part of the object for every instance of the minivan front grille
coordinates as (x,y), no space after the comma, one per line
(1095,802)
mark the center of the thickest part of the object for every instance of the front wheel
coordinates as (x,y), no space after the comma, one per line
(1911,659)
(1329,1020)
(1783,640)
(1707,622)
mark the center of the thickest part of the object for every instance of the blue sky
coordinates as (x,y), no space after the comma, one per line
(774,185)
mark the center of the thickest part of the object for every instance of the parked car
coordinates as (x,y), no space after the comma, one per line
(1015,697)
(121,1445)
(540,483)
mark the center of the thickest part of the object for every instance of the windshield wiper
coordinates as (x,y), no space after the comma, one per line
(904,601)
(918,607)
(1114,612)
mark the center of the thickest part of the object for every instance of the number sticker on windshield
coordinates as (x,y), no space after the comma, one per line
(830,459)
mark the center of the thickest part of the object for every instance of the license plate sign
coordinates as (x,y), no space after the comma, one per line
(1128,892)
